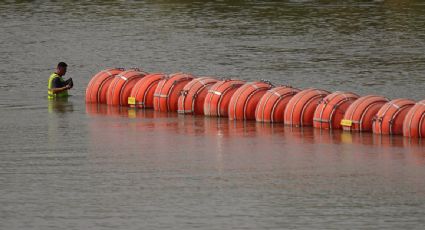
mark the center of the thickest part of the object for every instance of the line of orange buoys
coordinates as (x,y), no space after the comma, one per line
(259,100)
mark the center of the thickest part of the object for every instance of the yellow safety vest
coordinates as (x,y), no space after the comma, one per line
(49,86)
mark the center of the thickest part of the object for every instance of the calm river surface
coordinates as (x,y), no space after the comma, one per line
(71,166)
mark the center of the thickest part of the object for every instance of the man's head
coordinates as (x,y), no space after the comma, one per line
(61,68)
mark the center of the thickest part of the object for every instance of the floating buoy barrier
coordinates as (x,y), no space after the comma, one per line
(414,122)
(301,107)
(244,101)
(238,100)
(218,97)
(168,91)
(272,104)
(359,115)
(192,97)
(389,119)
(331,110)
(142,94)
(98,86)
(121,86)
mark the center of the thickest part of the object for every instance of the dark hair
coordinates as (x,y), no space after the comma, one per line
(62,65)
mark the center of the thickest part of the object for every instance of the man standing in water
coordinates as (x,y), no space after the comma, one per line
(57,87)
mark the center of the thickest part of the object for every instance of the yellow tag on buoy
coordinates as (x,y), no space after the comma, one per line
(347,123)
(131,100)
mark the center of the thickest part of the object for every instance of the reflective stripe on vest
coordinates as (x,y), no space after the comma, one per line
(49,86)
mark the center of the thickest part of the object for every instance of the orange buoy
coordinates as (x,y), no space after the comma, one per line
(98,86)
(168,91)
(331,110)
(414,122)
(301,107)
(389,119)
(218,97)
(245,99)
(360,113)
(141,95)
(271,106)
(191,100)
(121,86)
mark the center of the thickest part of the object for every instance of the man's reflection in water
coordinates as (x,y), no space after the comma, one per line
(60,126)
(60,105)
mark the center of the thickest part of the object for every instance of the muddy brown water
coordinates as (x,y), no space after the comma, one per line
(66,165)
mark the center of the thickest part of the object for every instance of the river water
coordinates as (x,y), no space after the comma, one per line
(66,165)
